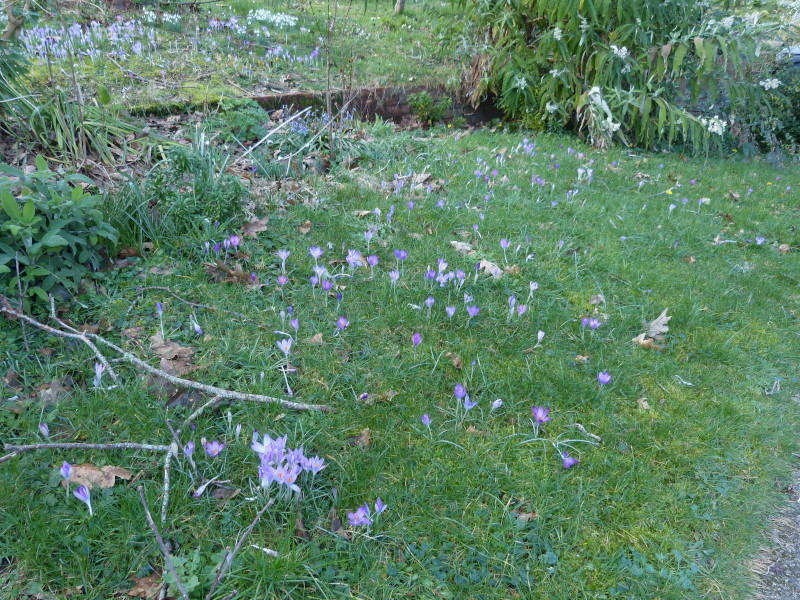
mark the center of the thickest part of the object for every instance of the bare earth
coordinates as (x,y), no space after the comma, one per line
(779,567)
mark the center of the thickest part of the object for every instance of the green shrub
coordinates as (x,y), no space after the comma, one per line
(52,228)
(642,72)
(240,120)
(183,195)
(428,111)
(786,105)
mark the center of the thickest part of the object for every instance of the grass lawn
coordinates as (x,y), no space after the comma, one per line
(146,58)
(679,453)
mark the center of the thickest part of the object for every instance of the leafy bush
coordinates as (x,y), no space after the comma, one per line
(426,110)
(52,227)
(641,72)
(240,120)
(785,101)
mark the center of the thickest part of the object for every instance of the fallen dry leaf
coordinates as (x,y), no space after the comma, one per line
(490,269)
(582,359)
(525,516)
(598,299)
(733,195)
(364,213)
(300,531)
(456,360)
(160,271)
(690,260)
(254,227)
(462,247)
(644,341)
(316,340)
(175,359)
(513,270)
(643,404)
(133,333)
(13,380)
(784,248)
(55,390)
(305,227)
(471,430)
(363,439)
(336,524)
(146,587)
(388,395)
(658,326)
(93,477)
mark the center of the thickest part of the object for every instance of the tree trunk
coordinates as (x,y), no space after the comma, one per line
(14,22)
(399,7)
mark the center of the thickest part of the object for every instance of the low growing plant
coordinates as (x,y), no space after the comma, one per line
(52,232)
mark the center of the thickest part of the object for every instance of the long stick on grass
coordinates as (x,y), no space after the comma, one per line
(223,568)
(161,544)
(7,309)
(15,449)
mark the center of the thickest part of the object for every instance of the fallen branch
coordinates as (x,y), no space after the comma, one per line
(103,360)
(15,449)
(223,568)
(7,309)
(161,544)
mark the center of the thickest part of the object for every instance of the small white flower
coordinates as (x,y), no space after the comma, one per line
(558,34)
(770,84)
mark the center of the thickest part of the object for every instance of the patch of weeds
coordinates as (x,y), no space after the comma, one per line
(426,109)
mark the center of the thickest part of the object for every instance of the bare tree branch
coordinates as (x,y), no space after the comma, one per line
(161,544)
(7,309)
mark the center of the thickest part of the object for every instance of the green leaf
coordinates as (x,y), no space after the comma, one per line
(77,192)
(10,206)
(104,96)
(52,239)
(28,212)
(41,163)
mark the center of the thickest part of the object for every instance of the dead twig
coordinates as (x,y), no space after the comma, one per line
(223,568)
(103,360)
(15,449)
(161,544)
(7,309)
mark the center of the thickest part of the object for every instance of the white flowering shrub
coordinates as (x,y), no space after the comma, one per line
(643,72)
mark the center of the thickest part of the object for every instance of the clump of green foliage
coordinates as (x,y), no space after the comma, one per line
(240,120)
(52,232)
(426,109)
(785,101)
(643,73)
(188,192)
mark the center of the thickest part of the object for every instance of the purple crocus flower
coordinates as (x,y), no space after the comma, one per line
(235,240)
(522,309)
(451,310)
(214,448)
(379,506)
(160,309)
(44,430)
(82,494)
(372,260)
(316,252)
(584,322)
(188,449)
(540,414)
(512,300)
(342,323)
(603,377)
(473,310)
(497,404)
(316,464)
(504,243)
(66,471)
(416,339)
(426,420)
(283,280)
(760,240)
(594,324)
(326,285)
(459,391)
(394,275)
(429,301)
(569,461)
(98,374)
(468,404)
